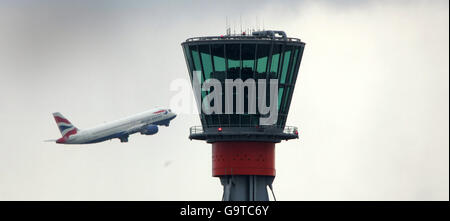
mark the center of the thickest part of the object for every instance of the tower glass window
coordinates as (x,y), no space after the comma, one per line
(206,60)
(276,56)
(286,60)
(248,58)
(233,54)
(293,66)
(218,57)
(244,59)
(262,56)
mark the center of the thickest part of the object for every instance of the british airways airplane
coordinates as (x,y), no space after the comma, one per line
(145,123)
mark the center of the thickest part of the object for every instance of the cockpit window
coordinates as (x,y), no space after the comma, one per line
(170,110)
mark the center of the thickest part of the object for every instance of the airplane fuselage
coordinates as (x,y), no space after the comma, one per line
(145,122)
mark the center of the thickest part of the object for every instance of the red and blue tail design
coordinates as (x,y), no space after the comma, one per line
(65,127)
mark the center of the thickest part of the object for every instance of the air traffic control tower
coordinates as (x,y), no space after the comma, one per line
(243,149)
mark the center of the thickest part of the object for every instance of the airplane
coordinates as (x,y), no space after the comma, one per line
(146,123)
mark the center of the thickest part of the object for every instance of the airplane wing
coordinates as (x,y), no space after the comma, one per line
(135,129)
(52,140)
(132,130)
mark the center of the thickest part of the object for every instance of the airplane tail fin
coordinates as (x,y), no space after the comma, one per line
(65,127)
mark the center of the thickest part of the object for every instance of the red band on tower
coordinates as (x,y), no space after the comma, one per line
(243,158)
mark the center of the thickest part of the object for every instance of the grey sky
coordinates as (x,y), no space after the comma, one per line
(371,101)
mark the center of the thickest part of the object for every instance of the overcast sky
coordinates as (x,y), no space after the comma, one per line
(371,101)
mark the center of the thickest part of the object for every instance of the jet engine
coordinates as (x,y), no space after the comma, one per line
(150,130)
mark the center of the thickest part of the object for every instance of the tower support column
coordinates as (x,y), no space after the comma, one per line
(246,187)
